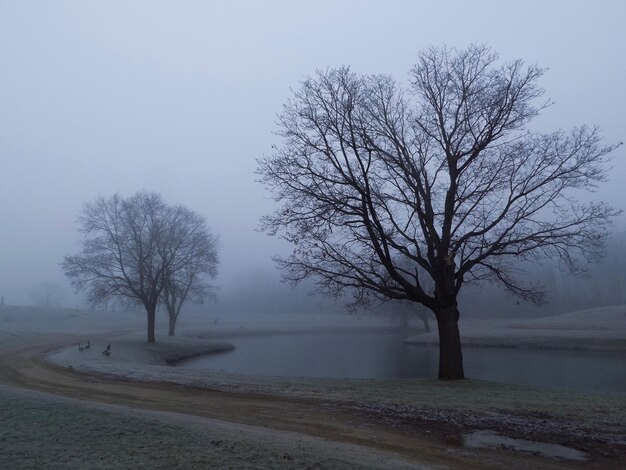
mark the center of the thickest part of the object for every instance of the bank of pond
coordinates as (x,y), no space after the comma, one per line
(384,355)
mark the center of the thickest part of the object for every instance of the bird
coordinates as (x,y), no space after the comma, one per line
(88,345)
(82,348)
(107,351)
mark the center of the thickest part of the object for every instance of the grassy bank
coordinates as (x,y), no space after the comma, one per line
(133,359)
(41,432)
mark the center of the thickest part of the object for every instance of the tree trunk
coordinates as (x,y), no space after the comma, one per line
(151,311)
(450,355)
(172,329)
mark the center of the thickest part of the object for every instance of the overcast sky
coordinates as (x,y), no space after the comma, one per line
(181,97)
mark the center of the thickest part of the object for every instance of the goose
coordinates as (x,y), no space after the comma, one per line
(107,351)
(82,348)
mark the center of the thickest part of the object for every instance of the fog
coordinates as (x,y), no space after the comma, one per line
(180,98)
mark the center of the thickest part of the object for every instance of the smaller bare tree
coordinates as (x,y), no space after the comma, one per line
(122,254)
(193,251)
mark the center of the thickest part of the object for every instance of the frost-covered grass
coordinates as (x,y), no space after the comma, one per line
(133,350)
(27,325)
(598,329)
(43,432)
(133,359)
(40,431)
(605,411)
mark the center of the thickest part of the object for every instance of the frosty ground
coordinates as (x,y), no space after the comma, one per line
(259,422)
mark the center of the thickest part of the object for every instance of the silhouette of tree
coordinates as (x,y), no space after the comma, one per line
(194,262)
(137,248)
(381,188)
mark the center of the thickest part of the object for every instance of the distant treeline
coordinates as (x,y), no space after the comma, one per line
(260,291)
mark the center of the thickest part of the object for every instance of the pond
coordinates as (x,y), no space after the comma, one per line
(383,355)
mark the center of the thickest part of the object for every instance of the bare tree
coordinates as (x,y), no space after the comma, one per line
(445,178)
(123,252)
(194,261)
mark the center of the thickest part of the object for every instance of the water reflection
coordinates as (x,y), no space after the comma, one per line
(383,355)
(480,439)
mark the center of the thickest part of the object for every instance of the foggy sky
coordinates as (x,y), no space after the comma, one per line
(181,98)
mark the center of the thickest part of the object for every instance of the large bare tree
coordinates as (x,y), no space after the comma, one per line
(193,264)
(382,188)
(136,248)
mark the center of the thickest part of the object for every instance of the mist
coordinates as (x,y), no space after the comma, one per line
(353,203)
(182,100)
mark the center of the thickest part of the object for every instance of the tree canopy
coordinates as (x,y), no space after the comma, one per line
(194,264)
(137,248)
(385,191)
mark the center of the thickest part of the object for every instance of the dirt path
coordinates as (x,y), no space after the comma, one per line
(24,367)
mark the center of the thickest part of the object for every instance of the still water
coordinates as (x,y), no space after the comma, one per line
(381,355)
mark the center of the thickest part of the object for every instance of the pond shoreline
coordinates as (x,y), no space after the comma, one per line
(601,329)
(447,410)
(421,419)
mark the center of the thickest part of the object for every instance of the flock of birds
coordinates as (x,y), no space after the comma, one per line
(106,352)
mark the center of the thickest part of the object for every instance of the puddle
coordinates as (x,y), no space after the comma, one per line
(490,439)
